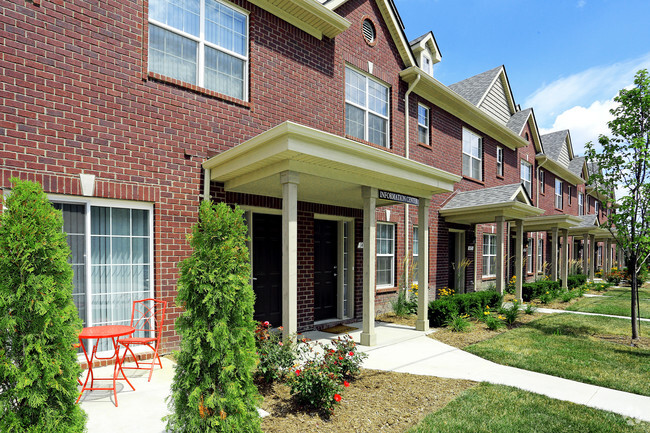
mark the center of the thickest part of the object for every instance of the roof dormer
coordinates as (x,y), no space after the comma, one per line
(426,52)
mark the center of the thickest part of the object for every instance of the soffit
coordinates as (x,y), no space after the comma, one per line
(549,222)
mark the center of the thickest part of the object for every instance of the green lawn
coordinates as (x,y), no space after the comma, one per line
(616,303)
(571,346)
(500,409)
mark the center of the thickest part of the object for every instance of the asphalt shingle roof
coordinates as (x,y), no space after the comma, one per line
(553,143)
(473,88)
(518,120)
(587,221)
(485,196)
(576,164)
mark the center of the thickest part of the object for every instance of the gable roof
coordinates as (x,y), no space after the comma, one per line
(578,167)
(554,142)
(490,91)
(427,40)
(519,120)
(489,196)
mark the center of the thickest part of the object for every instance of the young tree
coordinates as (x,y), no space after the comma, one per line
(624,165)
(38,320)
(213,388)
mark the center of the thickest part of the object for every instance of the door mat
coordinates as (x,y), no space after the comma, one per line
(339,329)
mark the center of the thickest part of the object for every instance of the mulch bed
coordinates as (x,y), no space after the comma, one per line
(376,401)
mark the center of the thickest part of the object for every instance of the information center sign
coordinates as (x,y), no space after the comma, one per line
(393,196)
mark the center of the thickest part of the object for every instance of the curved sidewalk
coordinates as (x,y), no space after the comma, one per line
(404,350)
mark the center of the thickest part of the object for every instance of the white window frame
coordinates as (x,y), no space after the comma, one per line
(581,203)
(569,194)
(499,161)
(416,254)
(559,202)
(529,255)
(203,43)
(366,109)
(90,202)
(470,142)
(489,241)
(542,182)
(528,183)
(391,282)
(424,127)
(540,255)
(427,64)
(596,206)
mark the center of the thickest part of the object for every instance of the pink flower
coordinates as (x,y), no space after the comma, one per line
(280,343)
(346,383)
(266,323)
(337,397)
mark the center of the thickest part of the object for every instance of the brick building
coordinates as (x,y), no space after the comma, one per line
(319,119)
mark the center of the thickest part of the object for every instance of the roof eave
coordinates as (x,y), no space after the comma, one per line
(556,168)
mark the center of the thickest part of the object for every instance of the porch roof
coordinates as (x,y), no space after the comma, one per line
(588,225)
(332,169)
(548,222)
(485,205)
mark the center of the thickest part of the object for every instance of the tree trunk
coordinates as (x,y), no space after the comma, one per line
(634,283)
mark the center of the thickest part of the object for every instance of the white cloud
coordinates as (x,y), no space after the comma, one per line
(582,3)
(584,123)
(600,83)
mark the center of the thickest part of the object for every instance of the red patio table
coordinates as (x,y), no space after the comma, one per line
(114,332)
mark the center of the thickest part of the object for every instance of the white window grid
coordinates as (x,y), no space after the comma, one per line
(558,194)
(529,256)
(423,124)
(472,155)
(542,183)
(540,255)
(385,254)
(202,43)
(364,97)
(526,176)
(416,256)
(489,255)
(499,161)
(581,203)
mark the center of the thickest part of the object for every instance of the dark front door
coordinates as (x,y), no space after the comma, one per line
(452,260)
(325,269)
(267,268)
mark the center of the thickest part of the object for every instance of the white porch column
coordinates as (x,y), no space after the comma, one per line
(368,336)
(289,181)
(585,254)
(565,258)
(422,322)
(500,254)
(519,255)
(592,256)
(608,255)
(621,257)
(554,239)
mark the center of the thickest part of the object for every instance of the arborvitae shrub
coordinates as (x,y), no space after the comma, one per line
(213,388)
(38,320)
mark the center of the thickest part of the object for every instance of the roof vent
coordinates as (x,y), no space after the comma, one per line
(369,31)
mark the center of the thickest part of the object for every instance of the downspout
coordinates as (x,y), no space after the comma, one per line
(407,154)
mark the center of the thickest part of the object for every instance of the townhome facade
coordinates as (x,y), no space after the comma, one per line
(319,119)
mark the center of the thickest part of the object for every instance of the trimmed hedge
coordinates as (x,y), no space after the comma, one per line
(538,288)
(443,309)
(576,280)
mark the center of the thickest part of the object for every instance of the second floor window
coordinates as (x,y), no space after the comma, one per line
(558,194)
(569,194)
(527,176)
(542,184)
(201,42)
(596,207)
(472,155)
(499,161)
(423,124)
(366,108)
(581,203)
(540,255)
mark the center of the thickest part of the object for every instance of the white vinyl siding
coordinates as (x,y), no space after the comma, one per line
(201,42)
(472,155)
(499,161)
(366,108)
(558,194)
(489,255)
(427,65)
(385,255)
(526,176)
(496,104)
(423,124)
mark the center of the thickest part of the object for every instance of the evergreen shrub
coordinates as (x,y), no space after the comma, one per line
(538,288)
(38,319)
(445,308)
(213,388)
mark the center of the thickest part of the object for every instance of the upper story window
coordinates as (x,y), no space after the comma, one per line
(527,176)
(499,161)
(596,207)
(542,183)
(558,194)
(201,42)
(423,124)
(569,194)
(366,108)
(427,65)
(472,155)
(581,203)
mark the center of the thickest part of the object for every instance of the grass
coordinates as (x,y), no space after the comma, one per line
(496,408)
(575,347)
(616,303)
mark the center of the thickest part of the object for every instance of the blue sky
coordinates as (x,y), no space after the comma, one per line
(565,58)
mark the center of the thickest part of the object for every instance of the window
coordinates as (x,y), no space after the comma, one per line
(596,207)
(542,184)
(423,124)
(472,155)
(385,254)
(202,42)
(111,257)
(540,256)
(414,264)
(526,176)
(581,203)
(529,255)
(427,65)
(366,108)
(499,161)
(569,194)
(369,33)
(489,255)
(558,194)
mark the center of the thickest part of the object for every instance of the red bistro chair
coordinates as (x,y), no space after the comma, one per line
(147,316)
